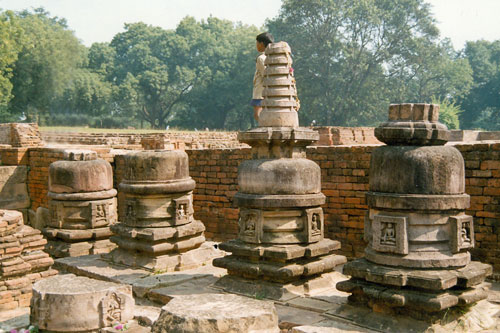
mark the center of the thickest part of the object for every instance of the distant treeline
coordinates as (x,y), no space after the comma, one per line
(351,60)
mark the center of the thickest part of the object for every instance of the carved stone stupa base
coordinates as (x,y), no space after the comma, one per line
(408,290)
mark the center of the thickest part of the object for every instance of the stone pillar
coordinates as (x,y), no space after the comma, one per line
(82,205)
(418,234)
(22,260)
(281,225)
(157,230)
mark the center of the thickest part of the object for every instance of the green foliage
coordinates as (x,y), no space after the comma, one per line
(448,112)
(354,57)
(482,105)
(10,37)
(48,59)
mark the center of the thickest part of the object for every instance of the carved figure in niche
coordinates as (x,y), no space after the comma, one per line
(315,223)
(249,224)
(465,234)
(100,211)
(388,234)
(130,211)
(181,212)
(113,310)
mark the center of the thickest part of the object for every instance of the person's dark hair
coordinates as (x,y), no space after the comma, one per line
(265,38)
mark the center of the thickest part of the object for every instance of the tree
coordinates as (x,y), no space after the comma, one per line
(147,61)
(226,52)
(10,35)
(482,105)
(352,58)
(49,56)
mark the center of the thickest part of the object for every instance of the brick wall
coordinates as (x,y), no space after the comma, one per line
(216,174)
(482,183)
(344,182)
(38,176)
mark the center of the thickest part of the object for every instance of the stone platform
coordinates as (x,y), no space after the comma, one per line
(425,294)
(326,311)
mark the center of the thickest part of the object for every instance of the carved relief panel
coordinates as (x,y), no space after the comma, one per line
(314,224)
(390,234)
(462,232)
(250,225)
(182,210)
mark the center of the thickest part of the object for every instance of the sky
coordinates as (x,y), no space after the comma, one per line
(99,20)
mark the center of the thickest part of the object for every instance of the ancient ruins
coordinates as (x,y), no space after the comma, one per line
(22,260)
(417,260)
(156,229)
(413,206)
(68,303)
(82,205)
(281,224)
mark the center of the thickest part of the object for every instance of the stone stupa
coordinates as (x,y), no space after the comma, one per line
(417,260)
(281,242)
(156,229)
(82,205)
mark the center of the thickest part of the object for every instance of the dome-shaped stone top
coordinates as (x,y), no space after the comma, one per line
(158,171)
(80,176)
(156,165)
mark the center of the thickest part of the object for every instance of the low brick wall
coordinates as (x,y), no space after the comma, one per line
(38,176)
(345,180)
(216,176)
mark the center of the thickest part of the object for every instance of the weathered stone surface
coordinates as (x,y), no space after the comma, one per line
(13,188)
(61,249)
(159,234)
(280,252)
(283,176)
(430,170)
(284,273)
(86,304)
(278,291)
(70,235)
(413,124)
(165,262)
(22,260)
(371,293)
(80,176)
(217,313)
(157,230)
(279,109)
(150,172)
(417,231)
(158,248)
(472,274)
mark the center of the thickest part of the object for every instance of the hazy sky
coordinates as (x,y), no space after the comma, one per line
(100,20)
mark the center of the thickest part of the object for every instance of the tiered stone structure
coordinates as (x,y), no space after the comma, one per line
(157,230)
(22,260)
(69,303)
(82,205)
(281,224)
(417,259)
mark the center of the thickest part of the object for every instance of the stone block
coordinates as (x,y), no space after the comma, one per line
(217,313)
(87,304)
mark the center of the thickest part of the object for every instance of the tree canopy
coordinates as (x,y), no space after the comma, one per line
(351,59)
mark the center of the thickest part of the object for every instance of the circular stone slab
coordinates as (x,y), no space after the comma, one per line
(69,303)
(211,313)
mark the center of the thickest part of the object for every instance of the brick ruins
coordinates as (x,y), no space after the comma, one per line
(344,181)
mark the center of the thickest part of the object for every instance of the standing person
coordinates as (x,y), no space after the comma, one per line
(263,40)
